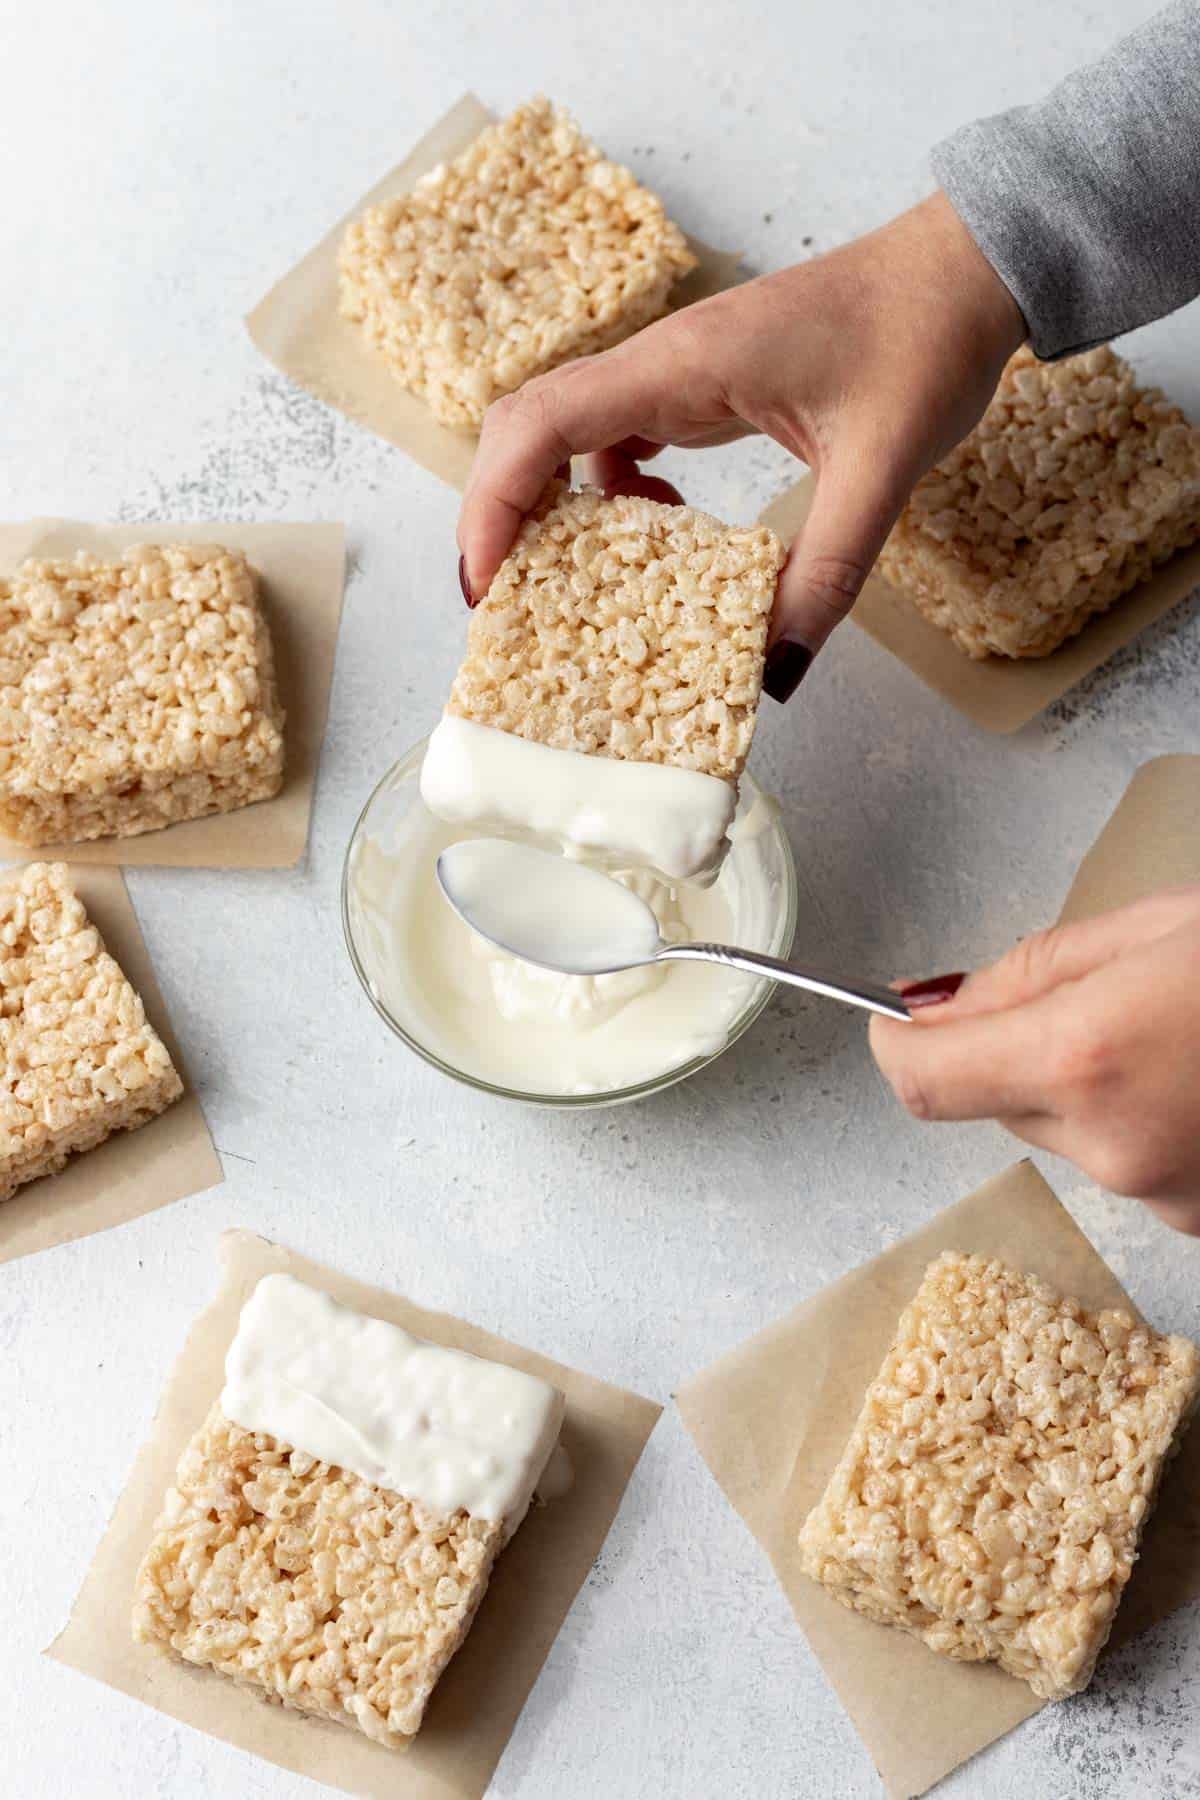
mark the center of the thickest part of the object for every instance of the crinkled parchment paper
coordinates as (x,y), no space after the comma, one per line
(772,1418)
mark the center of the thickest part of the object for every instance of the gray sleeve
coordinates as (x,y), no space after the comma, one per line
(1087,205)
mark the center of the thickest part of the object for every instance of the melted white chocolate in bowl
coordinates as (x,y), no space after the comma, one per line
(532,1032)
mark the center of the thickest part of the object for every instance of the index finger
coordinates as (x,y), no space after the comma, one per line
(588,405)
(1051,959)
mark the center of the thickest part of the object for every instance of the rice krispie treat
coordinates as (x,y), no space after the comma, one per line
(627,629)
(134,693)
(80,1060)
(530,248)
(1074,485)
(322,1586)
(994,1490)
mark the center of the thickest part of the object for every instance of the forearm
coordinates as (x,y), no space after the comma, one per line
(1088,203)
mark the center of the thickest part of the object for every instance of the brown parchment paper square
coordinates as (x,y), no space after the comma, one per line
(772,1418)
(999,694)
(1152,840)
(132,1172)
(303,578)
(478,1699)
(298,326)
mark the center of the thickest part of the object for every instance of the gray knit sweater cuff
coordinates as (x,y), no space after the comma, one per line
(1087,205)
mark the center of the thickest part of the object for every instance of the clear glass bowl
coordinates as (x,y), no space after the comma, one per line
(382,818)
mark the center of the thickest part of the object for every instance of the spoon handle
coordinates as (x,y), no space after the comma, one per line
(855,993)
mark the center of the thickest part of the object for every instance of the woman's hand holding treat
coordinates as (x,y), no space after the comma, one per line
(1083,1040)
(869,363)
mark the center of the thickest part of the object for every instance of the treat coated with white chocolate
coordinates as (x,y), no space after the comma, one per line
(447,1430)
(675,821)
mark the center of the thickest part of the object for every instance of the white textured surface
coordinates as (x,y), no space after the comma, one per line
(170,161)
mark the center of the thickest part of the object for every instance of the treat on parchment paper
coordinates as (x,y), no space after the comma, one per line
(994,1490)
(80,1059)
(1073,487)
(134,693)
(321,1586)
(625,628)
(528,249)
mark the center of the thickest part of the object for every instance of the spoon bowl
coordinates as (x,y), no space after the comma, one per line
(562,915)
(547,910)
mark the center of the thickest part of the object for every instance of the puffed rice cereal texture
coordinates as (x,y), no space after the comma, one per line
(1073,487)
(80,1059)
(527,250)
(307,1584)
(625,628)
(134,693)
(994,1490)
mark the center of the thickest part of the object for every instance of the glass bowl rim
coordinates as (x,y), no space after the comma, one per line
(609,1096)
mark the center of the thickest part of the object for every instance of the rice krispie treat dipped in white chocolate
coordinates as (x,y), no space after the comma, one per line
(611,683)
(336,1517)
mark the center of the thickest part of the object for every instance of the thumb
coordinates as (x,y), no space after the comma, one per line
(855,506)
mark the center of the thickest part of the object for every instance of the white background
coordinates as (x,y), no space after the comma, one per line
(162,165)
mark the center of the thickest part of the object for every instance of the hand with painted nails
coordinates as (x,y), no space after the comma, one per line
(1084,1040)
(869,364)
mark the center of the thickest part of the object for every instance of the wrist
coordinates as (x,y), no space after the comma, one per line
(996,320)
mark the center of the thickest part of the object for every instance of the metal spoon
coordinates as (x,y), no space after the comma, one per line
(566,916)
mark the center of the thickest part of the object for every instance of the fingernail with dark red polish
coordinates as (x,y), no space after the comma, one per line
(787,665)
(463,583)
(933,992)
